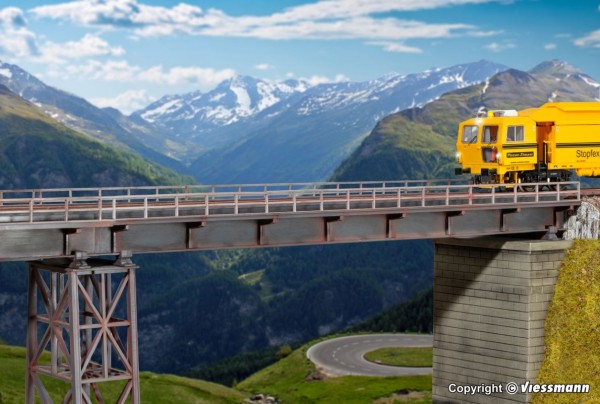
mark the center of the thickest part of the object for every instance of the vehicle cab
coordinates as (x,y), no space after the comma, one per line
(495,146)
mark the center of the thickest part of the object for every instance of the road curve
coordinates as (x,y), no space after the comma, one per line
(345,355)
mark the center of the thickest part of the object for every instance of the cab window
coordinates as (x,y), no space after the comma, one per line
(490,134)
(469,134)
(515,134)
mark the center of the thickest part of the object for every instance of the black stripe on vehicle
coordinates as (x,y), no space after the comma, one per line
(563,145)
(519,146)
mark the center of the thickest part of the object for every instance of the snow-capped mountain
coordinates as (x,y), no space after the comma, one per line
(396,92)
(305,136)
(231,101)
(205,119)
(243,115)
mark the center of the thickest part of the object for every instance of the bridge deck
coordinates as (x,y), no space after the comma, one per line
(56,222)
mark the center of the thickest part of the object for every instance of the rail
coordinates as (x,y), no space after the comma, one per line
(190,189)
(114,204)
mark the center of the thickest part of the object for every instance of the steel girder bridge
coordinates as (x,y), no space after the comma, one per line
(83,308)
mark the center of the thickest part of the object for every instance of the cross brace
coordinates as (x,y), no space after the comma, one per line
(85,312)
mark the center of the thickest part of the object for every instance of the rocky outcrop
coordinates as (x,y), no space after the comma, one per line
(585,224)
(262,399)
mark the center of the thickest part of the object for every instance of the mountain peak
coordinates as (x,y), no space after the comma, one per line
(239,81)
(555,67)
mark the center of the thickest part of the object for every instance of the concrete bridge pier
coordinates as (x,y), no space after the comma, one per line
(490,300)
(84,311)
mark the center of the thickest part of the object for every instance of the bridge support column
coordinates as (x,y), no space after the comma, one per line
(85,312)
(490,301)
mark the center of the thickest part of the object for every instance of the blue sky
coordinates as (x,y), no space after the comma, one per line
(127,53)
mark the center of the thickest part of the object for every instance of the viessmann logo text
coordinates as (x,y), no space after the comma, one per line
(586,154)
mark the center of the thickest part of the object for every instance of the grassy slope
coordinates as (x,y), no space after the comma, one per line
(155,388)
(286,379)
(416,143)
(36,151)
(396,356)
(573,327)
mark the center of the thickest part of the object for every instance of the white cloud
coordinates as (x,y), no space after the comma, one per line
(122,71)
(352,28)
(550,46)
(130,14)
(338,19)
(592,39)
(198,75)
(483,34)
(16,40)
(316,79)
(496,47)
(263,66)
(396,47)
(112,70)
(88,46)
(126,102)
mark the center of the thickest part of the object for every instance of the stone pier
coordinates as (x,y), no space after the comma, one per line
(490,301)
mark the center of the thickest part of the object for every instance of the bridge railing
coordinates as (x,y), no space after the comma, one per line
(101,204)
(44,193)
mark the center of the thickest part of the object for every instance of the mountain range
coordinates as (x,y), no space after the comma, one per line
(204,121)
(419,142)
(195,308)
(214,136)
(310,130)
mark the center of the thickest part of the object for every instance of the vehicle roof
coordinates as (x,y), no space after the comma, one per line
(565,113)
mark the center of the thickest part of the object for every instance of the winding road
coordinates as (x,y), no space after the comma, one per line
(345,355)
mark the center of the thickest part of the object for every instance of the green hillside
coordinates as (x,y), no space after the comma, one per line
(292,294)
(36,152)
(419,143)
(413,315)
(573,327)
(155,388)
(294,380)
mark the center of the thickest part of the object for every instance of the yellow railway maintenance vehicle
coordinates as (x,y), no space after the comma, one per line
(544,144)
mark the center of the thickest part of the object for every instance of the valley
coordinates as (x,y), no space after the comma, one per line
(196,310)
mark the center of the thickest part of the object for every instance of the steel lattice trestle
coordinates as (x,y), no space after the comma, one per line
(74,308)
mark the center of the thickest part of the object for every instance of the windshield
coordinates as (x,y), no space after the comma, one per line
(469,134)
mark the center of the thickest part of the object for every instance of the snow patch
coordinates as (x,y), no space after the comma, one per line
(243,99)
(214,98)
(222,114)
(268,98)
(589,82)
(6,73)
(167,107)
(485,87)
